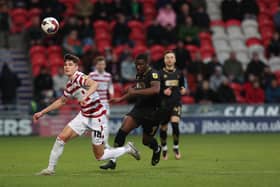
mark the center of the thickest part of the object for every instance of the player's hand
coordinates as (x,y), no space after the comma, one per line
(115,100)
(37,115)
(167,91)
(131,91)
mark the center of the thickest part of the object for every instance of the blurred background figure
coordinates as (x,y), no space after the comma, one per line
(9,82)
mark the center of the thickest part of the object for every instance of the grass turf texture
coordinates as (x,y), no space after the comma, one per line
(209,160)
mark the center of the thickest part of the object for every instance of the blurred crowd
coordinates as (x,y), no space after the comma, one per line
(177,23)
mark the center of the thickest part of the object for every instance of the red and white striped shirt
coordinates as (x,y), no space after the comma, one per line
(76,88)
(105,86)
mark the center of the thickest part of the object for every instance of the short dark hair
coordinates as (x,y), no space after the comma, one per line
(98,59)
(71,57)
(167,52)
(142,56)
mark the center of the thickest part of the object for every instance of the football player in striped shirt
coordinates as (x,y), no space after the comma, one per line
(91,117)
(105,88)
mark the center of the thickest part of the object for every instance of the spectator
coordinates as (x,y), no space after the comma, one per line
(135,10)
(71,23)
(59,82)
(53,8)
(182,56)
(276,19)
(35,4)
(121,31)
(268,76)
(89,54)
(233,68)
(72,44)
(34,33)
(19,4)
(4,22)
(225,94)
(230,10)
(9,82)
(201,19)
(197,67)
(204,94)
(254,94)
(169,35)
(211,66)
(84,9)
(248,9)
(183,12)
(128,70)
(86,32)
(272,92)
(199,3)
(112,64)
(217,78)
(255,67)
(274,45)
(119,7)
(167,16)
(43,82)
(154,33)
(101,10)
(188,32)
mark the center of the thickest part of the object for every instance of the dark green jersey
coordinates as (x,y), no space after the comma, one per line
(171,79)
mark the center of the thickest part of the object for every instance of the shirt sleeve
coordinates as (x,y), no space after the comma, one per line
(155,76)
(66,93)
(81,80)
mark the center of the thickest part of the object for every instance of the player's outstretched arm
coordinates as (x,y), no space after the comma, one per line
(119,99)
(154,89)
(55,105)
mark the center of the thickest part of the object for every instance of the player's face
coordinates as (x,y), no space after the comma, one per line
(100,66)
(141,66)
(169,59)
(70,68)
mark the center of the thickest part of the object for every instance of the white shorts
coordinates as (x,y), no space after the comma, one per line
(80,124)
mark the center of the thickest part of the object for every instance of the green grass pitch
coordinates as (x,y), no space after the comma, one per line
(209,161)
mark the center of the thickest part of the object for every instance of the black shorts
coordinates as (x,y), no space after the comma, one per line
(172,111)
(147,118)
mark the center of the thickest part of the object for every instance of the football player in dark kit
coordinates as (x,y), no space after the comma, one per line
(172,87)
(144,112)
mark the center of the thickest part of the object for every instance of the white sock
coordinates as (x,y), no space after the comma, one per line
(56,152)
(165,148)
(114,153)
(175,146)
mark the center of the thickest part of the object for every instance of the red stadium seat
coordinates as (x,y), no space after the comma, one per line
(34,12)
(138,50)
(171,47)
(19,16)
(233,22)
(187,100)
(37,49)
(102,45)
(192,50)
(54,49)
(156,52)
(219,23)
(119,49)
(100,24)
(102,36)
(253,41)
(136,25)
